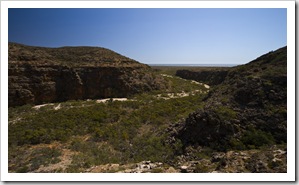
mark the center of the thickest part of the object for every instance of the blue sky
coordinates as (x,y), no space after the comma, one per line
(152,36)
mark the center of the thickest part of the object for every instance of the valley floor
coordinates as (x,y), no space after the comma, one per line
(124,135)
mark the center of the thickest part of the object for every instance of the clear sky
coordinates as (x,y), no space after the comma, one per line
(157,36)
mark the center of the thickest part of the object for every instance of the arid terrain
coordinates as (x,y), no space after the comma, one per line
(92,110)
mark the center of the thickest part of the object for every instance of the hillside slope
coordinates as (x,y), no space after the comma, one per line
(40,75)
(238,126)
(247,110)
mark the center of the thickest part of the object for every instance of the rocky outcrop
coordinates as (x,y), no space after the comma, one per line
(211,77)
(247,110)
(270,160)
(41,75)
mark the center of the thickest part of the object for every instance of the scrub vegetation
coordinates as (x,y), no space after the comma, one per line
(100,133)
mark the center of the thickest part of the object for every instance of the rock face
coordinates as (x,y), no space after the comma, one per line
(213,77)
(247,110)
(39,75)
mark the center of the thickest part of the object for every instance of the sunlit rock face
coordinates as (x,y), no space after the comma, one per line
(40,75)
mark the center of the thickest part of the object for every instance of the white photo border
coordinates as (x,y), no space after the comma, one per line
(289,176)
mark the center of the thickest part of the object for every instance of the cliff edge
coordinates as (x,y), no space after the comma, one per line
(39,75)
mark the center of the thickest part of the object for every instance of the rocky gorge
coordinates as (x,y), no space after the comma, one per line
(91,110)
(39,75)
(211,77)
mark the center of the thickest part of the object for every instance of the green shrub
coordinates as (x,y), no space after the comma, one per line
(256,138)
(226,113)
(236,144)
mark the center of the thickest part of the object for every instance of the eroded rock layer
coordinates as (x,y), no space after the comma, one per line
(39,75)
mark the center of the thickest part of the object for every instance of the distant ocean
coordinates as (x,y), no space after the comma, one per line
(196,65)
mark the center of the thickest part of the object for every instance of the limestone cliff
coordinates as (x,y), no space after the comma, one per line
(39,75)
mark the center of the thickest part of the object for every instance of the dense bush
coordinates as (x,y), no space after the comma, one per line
(226,113)
(257,138)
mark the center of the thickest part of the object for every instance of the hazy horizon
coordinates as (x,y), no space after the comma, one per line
(156,36)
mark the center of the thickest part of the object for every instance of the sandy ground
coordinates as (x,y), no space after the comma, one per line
(57,107)
(113,99)
(42,105)
(166,75)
